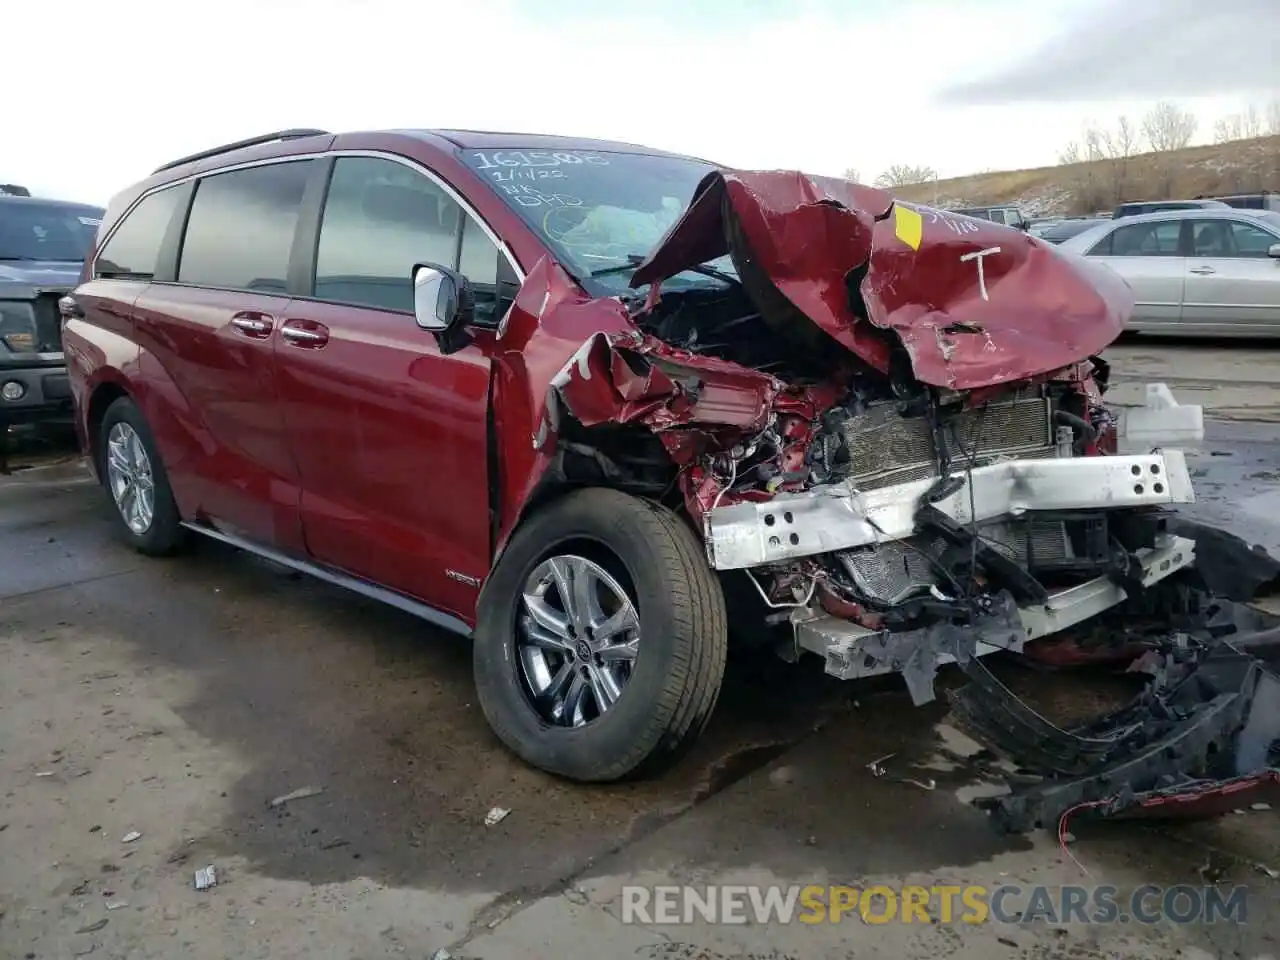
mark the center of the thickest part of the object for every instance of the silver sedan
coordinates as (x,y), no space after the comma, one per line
(1196,272)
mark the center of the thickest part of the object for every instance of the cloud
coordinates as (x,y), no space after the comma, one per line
(1142,50)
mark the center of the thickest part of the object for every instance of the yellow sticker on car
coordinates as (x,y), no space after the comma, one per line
(908,225)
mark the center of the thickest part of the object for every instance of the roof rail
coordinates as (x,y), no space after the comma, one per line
(240,144)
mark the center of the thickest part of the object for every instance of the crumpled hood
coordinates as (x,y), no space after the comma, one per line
(974,303)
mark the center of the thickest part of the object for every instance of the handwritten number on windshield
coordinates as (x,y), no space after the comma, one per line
(530,196)
(536,158)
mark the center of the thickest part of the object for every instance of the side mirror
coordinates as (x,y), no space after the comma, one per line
(441,298)
(1274,251)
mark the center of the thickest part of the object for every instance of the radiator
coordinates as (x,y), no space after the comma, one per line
(886,448)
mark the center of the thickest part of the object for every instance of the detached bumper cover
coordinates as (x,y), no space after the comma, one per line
(1200,741)
(836,517)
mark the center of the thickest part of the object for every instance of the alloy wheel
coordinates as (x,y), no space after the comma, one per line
(129,478)
(578,639)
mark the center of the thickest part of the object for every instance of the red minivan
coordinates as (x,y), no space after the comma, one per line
(584,401)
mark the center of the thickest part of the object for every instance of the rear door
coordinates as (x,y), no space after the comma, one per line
(1233,286)
(212,333)
(1147,255)
(390,435)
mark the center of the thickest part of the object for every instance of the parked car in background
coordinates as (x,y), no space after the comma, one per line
(586,401)
(1208,271)
(1265,200)
(1036,226)
(1135,207)
(1066,228)
(13,190)
(1008,214)
(42,247)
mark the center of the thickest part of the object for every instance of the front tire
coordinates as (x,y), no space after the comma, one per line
(620,680)
(134,476)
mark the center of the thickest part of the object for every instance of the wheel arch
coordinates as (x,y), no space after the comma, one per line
(625,457)
(100,400)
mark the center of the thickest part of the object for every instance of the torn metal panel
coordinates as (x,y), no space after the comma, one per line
(973,302)
(548,323)
(561,352)
(628,377)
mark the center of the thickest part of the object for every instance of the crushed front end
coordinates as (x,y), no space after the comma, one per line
(926,469)
(889,425)
(933,537)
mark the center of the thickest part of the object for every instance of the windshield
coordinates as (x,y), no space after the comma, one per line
(31,230)
(600,212)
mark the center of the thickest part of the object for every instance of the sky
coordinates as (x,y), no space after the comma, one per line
(818,85)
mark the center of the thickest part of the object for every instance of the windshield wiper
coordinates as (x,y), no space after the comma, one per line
(635,259)
(632,261)
(707,271)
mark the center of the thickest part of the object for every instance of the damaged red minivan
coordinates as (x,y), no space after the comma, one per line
(603,408)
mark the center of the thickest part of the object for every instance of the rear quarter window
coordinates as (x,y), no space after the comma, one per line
(132,250)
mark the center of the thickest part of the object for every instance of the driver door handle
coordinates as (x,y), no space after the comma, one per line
(1203,271)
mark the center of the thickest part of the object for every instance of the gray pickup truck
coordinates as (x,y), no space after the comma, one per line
(42,245)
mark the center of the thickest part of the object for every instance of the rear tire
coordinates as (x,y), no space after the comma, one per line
(680,640)
(134,477)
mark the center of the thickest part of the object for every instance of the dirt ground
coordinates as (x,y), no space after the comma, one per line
(176,699)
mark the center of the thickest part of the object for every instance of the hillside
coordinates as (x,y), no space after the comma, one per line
(1241,166)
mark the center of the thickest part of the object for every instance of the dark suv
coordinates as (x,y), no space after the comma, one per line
(590,403)
(42,247)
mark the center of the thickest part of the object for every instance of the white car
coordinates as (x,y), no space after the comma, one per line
(1212,272)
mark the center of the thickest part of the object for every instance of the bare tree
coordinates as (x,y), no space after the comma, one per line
(1169,127)
(1117,147)
(1103,154)
(1252,122)
(1083,182)
(853,174)
(1093,143)
(902,174)
(1122,143)
(1238,126)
